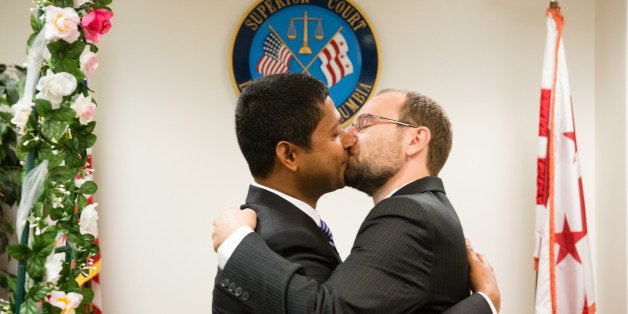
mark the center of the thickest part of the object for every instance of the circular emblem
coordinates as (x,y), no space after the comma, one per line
(331,40)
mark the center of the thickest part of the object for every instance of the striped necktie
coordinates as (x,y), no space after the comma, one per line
(327,232)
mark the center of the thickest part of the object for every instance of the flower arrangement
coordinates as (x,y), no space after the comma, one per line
(55,121)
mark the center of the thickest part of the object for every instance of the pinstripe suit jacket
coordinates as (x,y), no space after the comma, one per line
(409,257)
(288,231)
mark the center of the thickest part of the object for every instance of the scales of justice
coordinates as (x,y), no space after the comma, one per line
(292,32)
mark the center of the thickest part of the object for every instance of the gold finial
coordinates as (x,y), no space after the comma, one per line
(554,5)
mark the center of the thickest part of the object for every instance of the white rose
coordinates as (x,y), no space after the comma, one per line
(54,266)
(21,111)
(54,86)
(89,219)
(89,62)
(66,302)
(85,108)
(61,24)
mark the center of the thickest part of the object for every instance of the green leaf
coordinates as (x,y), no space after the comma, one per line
(94,249)
(72,159)
(35,267)
(71,66)
(88,295)
(47,308)
(87,128)
(89,238)
(28,307)
(102,3)
(62,174)
(46,154)
(43,107)
(57,47)
(26,143)
(64,3)
(90,141)
(74,236)
(36,24)
(50,235)
(53,129)
(38,292)
(29,42)
(75,50)
(88,187)
(12,282)
(42,248)
(12,95)
(19,252)
(63,114)
(81,200)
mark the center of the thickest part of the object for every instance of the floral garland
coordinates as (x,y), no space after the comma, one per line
(55,122)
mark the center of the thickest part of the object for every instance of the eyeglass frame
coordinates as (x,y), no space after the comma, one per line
(369,115)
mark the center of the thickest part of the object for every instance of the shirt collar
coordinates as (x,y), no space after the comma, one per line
(304,207)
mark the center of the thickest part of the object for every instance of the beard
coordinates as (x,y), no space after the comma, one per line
(369,173)
(366,178)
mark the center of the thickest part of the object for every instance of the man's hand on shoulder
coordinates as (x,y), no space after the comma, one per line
(482,277)
(229,221)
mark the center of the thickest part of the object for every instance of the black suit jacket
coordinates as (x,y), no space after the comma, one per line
(409,257)
(289,232)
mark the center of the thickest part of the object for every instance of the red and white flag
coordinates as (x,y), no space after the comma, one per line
(93,278)
(335,63)
(562,255)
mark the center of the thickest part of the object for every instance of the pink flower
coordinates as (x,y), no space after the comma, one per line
(84,108)
(96,23)
(89,62)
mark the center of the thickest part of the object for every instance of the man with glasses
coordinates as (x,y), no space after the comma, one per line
(409,254)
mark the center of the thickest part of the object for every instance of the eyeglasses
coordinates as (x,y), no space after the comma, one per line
(365,120)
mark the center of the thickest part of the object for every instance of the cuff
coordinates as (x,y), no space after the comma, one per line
(488,300)
(230,244)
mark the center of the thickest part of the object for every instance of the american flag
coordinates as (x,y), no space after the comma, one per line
(276,58)
(563,259)
(335,63)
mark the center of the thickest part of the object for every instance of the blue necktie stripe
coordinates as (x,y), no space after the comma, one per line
(327,233)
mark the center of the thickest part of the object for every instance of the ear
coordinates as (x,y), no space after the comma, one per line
(419,141)
(286,154)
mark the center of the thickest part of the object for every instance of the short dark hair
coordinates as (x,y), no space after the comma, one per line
(421,110)
(274,108)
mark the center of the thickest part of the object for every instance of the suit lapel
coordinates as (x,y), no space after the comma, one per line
(275,203)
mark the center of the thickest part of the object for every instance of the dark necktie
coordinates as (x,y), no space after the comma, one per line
(327,233)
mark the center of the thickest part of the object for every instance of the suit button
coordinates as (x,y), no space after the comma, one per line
(225,283)
(238,291)
(245,296)
(232,287)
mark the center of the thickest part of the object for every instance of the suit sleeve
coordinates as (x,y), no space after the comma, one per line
(389,270)
(475,304)
(301,247)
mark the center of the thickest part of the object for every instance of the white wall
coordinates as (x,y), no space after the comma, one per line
(611,136)
(167,161)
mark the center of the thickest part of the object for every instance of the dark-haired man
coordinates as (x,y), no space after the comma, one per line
(289,132)
(409,255)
